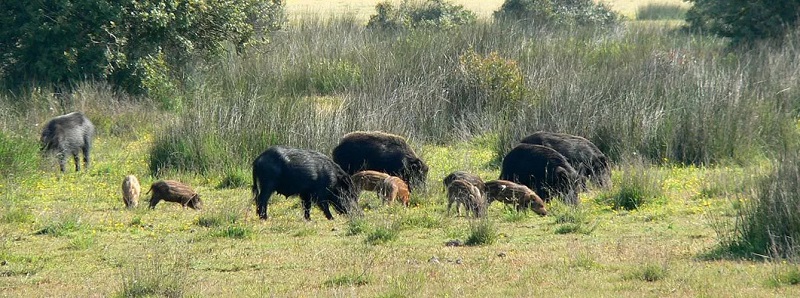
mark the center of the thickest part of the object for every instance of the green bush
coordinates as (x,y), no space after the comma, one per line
(135,44)
(744,20)
(497,80)
(437,14)
(558,12)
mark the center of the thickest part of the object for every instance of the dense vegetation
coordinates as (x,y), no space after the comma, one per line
(670,108)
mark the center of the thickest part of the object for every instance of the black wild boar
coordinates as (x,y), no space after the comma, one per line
(68,135)
(462,175)
(379,151)
(307,173)
(581,154)
(543,170)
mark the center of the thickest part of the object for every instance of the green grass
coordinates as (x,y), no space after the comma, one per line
(661,11)
(482,232)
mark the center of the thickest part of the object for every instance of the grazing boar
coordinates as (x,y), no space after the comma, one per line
(394,188)
(68,135)
(514,194)
(379,151)
(130,191)
(368,180)
(174,191)
(581,154)
(543,170)
(462,192)
(462,175)
(307,173)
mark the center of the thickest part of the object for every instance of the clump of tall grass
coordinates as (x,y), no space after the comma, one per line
(638,185)
(769,224)
(234,178)
(16,214)
(347,280)
(785,274)
(60,224)
(383,233)
(154,278)
(571,219)
(649,272)
(18,155)
(234,231)
(481,232)
(661,11)
(220,217)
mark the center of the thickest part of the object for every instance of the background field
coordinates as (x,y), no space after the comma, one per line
(364,8)
(693,130)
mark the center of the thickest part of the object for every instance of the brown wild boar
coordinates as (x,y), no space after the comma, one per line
(392,188)
(515,194)
(464,193)
(131,191)
(174,191)
(368,180)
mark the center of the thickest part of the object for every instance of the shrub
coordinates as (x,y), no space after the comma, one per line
(743,20)
(436,14)
(558,12)
(487,81)
(481,233)
(135,44)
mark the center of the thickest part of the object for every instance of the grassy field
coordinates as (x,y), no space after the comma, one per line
(70,234)
(692,130)
(362,9)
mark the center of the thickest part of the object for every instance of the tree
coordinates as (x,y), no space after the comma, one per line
(126,42)
(744,20)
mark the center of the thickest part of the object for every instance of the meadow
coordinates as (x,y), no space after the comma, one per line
(695,131)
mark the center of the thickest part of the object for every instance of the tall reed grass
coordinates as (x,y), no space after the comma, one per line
(646,90)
